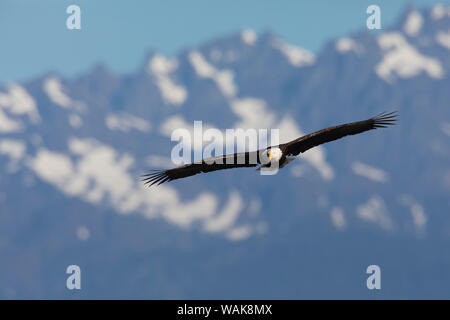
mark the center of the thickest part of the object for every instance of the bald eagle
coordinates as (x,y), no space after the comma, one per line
(280,155)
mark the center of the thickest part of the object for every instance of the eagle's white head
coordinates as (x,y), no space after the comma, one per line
(274,154)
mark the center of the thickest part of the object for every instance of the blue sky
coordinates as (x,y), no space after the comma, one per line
(35,39)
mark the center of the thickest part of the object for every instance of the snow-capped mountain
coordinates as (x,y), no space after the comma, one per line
(72,151)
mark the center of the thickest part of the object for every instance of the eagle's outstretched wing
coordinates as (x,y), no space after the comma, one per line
(312,140)
(236,160)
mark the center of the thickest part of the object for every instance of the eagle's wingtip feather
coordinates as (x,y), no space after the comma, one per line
(156,177)
(385,119)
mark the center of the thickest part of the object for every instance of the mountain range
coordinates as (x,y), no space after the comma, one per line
(72,151)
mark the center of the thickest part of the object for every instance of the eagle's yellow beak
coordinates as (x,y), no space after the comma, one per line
(270,155)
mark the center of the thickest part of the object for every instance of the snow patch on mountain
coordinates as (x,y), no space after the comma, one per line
(297,56)
(8,125)
(75,120)
(184,214)
(338,218)
(375,211)
(17,101)
(413,23)
(125,122)
(440,11)
(249,37)
(54,168)
(418,215)
(224,79)
(239,233)
(403,60)
(346,44)
(162,67)
(253,113)
(83,233)
(15,150)
(443,38)
(227,217)
(369,172)
(55,91)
